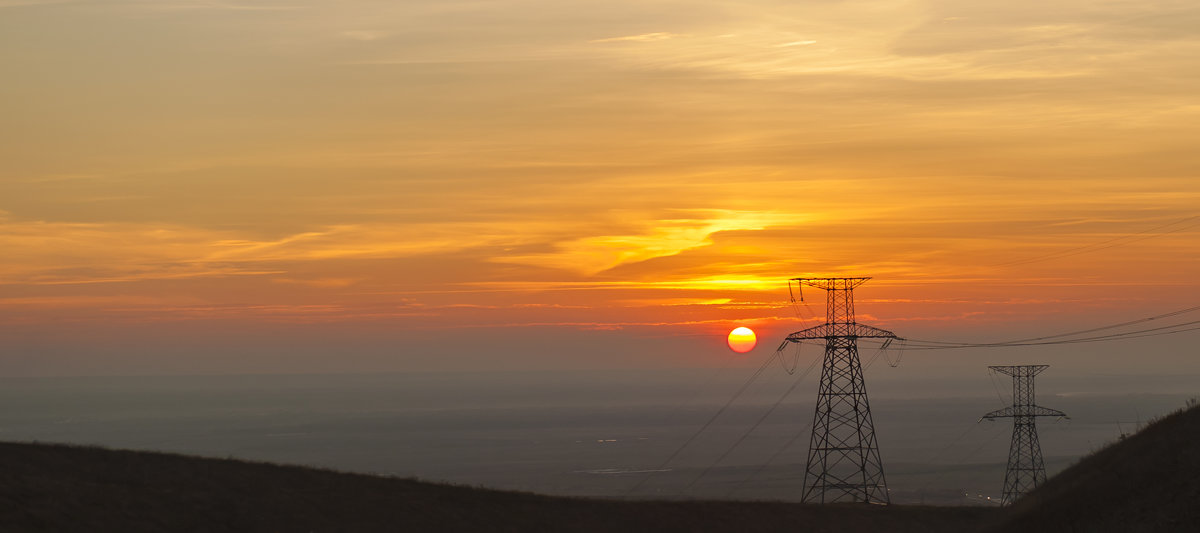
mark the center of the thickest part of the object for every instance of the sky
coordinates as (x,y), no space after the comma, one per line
(369,186)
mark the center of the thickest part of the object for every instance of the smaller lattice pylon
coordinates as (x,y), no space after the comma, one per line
(1025,467)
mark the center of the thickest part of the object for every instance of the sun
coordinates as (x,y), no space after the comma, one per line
(742,340)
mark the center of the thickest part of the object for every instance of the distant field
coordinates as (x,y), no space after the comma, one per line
(569,434)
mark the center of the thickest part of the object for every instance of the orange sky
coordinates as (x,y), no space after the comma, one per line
(405,182)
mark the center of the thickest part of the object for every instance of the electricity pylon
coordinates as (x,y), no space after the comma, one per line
(843,455)
(1025,467)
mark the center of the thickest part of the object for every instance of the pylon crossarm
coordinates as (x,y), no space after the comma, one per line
(1007,412)
(1015,370)
(831,283)
(864,331)
(1038,410)
(1035,410)
(816,332)
(825,331)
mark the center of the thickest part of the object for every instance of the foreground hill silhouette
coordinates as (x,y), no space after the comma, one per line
(66,488)
(1147,482)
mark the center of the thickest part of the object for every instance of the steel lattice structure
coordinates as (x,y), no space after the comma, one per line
(843,454)
(1025,467)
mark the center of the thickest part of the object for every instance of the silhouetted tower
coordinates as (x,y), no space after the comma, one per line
(843,455)
(1025,467)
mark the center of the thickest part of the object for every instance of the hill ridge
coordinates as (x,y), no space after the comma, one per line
(1148,481)
(48,487)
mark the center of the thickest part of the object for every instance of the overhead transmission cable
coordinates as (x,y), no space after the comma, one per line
(1064,338)
(1114,326)
(795,308)
(1090,330)
(996,386)
(1151,332)
(705,426)
(1110,243)
(803,431)
(753,427)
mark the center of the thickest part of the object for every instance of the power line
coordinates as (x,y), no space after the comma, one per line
(1091,330)
(918,344)
(1110,243)
(803,431)
(1137,334)
(757,423)
(1114,326)
(704,427)
(996,386)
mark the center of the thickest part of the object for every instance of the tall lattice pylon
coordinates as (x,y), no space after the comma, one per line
(843,455)
(1025,467)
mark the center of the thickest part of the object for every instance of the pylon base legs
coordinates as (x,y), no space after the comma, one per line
(843,456)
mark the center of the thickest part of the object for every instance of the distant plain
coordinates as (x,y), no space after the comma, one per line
(580,433)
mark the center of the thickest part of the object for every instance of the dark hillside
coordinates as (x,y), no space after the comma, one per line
(1147,482)
(63,488)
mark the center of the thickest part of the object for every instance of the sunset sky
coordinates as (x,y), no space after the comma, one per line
(303,186)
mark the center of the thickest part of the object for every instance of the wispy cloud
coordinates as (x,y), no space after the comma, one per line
(27,3)
(659,238)
(194,5)
(639,38)
(364,35)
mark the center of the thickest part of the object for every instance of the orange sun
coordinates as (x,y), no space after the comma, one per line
(742,340)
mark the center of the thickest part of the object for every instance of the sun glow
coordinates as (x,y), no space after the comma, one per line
(633,183)
(742,340)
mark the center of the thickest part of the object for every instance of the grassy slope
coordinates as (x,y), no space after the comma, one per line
(63,488)
(1147,482)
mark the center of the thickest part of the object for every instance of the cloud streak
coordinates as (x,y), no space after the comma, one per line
(640,38)
(439,165)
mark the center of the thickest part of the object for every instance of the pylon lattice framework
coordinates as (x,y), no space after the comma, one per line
(1025,468)
(843,454)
